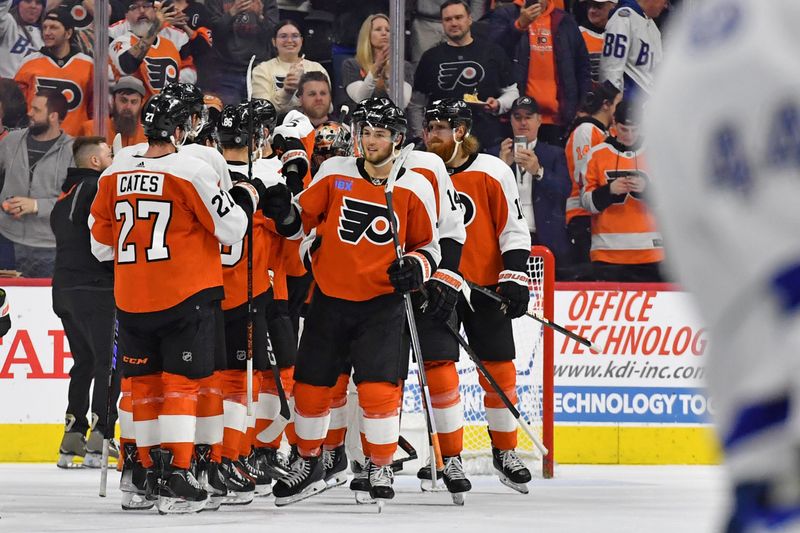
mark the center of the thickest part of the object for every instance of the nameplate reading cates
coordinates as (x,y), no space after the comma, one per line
(140,183)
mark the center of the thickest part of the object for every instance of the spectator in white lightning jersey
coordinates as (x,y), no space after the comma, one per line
(728,207)
(632,47)
(20,34)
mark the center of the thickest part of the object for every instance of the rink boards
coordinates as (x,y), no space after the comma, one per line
(640,402)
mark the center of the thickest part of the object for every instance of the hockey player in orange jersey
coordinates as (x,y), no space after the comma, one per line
(356,312)
(60,66)
(495,254)
(160,216)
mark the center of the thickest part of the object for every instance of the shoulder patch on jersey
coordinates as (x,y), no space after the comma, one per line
(715,24)
(624,12)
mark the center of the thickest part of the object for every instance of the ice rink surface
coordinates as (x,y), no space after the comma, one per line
(581,499)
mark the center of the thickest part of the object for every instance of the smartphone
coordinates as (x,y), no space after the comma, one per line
(520,142)
(529,3)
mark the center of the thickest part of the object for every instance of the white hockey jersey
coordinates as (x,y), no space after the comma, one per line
(16,43)
(726,166)
(631,50)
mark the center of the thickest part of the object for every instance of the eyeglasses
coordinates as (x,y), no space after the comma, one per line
(140,5)
(289,37)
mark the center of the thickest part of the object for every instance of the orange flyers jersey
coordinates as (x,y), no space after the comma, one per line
(624,232)
(493,217)
(450,217)
(74,79)
(161,64)
(594,45)
(296,124)
(208,155)
(350,214)
(234,258)
(161,220)
(588,134)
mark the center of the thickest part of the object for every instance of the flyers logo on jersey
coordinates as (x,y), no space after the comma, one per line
(161,71)
(359,219)
(469,207)
(464,73)
(71,91)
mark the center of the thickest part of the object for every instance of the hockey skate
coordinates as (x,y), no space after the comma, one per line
(94,450)
(132,482)
(72,445)
(178,491)
(511,470)
(380,483)
(241,489)
(360,482)
(273,462)
(304,480)
(208,475)
(335,462)
(425,481)
(253,467)
(455,480)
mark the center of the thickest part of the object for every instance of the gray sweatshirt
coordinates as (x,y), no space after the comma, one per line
(45,186)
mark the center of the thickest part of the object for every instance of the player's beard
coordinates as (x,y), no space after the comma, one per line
(125,123)
(444,149)
(141,28)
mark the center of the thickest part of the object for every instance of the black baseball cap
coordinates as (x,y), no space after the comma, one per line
(61,14)
(525,102)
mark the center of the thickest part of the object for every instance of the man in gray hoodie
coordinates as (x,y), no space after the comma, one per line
(33,165)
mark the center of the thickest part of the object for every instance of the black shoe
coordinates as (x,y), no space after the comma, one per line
(335,462)
(305,479)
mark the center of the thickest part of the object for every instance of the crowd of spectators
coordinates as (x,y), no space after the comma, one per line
(531,69)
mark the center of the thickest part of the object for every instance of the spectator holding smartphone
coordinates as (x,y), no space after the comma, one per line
(626,244)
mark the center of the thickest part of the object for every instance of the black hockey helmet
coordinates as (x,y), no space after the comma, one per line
(232,126)
(451,110)
(264,113)
(380,112)
(189,93)
(162,114)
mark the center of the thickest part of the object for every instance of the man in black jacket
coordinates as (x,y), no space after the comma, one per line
(83,298)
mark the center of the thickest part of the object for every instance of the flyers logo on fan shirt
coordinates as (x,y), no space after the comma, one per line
(161,71)
(71,91)
(161,64)
(364,219)
(464,73)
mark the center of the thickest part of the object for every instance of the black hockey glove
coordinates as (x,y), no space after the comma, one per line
(245,195)
(443,290)
(277,202)
(307,248)
(414,271)
(294,158)
(513,286)
(5,316)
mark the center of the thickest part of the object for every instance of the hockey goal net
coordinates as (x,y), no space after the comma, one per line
(534,362)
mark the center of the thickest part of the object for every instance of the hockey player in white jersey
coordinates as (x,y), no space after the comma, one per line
(632,47)
(724,130)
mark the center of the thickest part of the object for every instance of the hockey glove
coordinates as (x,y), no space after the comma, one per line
(294,158)
(513,286)
(409,276)
(309,245)
(443,290)
(5,316)
(245,195)
(277,203)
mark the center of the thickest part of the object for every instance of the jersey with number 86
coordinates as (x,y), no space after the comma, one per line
(162,220)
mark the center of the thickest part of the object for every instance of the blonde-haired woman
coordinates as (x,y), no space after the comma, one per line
(277,80)
(367,74)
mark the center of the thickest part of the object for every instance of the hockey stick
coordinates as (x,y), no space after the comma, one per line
(106,442)
(593,346)
(506,401)
(433,436)
(249,377)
